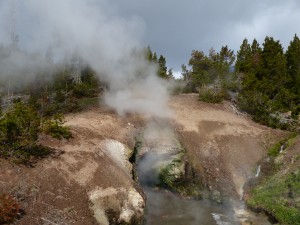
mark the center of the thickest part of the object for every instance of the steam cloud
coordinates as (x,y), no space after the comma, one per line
(93,30)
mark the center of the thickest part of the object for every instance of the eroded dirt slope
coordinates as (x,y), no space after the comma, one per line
(222,144)
(90,179)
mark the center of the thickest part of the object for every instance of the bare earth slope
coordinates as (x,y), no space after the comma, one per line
(92,173)
(222,144)
(91,183)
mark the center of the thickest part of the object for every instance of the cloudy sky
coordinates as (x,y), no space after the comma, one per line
(174,28)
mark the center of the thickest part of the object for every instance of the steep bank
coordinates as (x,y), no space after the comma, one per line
(277,190)
(223,145)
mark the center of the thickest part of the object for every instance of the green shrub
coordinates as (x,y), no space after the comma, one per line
(262,109)
(84,90)
(19,130)
(211,95)
(84,103)
(55,128)
(19,127)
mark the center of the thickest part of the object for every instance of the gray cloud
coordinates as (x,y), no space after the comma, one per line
(175,28)
(172,28)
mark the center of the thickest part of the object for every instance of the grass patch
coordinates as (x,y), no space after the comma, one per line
(279,197)
(279,194)
(287,142)
(275,149)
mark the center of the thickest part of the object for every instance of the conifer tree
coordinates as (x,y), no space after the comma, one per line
(255,55)
(248,61)
(200,69)
(148,53)
(154,58)
(185,73)
(162,70)
(293,66)
(227,56)
(273,71)
(243,61)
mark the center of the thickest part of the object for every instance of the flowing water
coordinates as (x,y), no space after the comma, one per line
(258,171)
(167,208)
(164,207)
(281,148)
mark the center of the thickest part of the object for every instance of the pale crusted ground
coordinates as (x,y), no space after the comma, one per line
(60,190)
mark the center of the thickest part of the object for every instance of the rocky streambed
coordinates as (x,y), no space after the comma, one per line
(175,192)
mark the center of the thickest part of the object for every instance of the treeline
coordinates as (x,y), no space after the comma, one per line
(270,81)
(263,81)
(57,85)
(161,63)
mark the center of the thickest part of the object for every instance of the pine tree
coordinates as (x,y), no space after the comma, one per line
(248,64)
(185,73)
(255,55)
(293,66)
(222,67)
(273,70)
(148,54)
(154,58)
(170,74)
(243,62)
(227,56)
(201,67)
(162,70)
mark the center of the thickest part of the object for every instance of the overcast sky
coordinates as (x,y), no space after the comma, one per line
(175,27)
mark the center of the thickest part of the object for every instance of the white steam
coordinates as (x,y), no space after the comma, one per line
(103,39)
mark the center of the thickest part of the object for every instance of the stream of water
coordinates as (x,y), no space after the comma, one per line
(167,208)
(164,207)
(159,147)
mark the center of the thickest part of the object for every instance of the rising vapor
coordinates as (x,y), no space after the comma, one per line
(102,38)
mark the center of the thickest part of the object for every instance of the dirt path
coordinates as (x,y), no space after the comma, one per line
(222,144)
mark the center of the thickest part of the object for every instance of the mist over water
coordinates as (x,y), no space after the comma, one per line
(170,209)
(159,146)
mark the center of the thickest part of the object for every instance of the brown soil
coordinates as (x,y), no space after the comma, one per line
(222,144)
(224,147)
(56,190)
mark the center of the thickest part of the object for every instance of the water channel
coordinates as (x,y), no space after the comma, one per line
(166,207)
